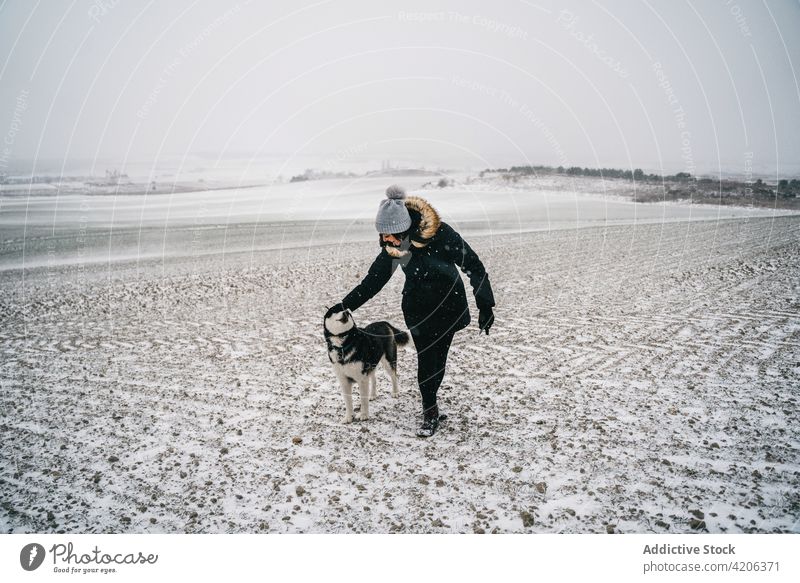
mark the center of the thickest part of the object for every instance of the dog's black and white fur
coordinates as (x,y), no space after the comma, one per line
(355,353)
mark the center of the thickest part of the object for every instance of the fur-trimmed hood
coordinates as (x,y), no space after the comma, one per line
(425,223)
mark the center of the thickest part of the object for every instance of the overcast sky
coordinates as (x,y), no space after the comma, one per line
(673,86)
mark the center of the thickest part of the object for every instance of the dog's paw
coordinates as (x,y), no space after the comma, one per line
(395,394)
(347,419)
(362,416)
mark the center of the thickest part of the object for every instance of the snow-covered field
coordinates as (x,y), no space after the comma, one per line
(48,231)
(640,378)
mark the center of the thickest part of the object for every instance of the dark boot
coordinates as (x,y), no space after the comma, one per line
(430,421)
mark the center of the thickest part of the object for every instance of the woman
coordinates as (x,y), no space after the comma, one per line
(434,304)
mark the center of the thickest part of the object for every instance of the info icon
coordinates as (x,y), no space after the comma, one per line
(31,556)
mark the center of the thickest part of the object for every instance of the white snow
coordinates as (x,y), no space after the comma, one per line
(636,373)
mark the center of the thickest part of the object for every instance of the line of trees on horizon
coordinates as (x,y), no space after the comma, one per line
(784,187)
(636,174)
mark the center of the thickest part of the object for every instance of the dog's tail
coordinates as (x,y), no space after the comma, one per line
(400,337)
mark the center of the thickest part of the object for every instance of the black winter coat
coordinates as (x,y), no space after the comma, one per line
(434,298)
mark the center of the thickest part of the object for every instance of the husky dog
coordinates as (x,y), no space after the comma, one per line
(355,353)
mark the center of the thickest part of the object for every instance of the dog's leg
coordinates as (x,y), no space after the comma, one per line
(373,385)
(392,371)
(363,389)
(347,393)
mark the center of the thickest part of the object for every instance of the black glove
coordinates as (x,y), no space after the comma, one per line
(336,308)
(485,320)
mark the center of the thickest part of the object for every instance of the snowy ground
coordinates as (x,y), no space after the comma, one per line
(49,231)
(639,378)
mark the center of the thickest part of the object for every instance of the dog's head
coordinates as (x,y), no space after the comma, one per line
(338,321)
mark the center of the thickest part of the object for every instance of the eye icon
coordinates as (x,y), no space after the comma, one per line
(31,556)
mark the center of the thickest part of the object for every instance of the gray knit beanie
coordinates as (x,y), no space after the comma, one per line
(393,215)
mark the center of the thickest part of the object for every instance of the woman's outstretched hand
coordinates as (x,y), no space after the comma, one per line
(485,320)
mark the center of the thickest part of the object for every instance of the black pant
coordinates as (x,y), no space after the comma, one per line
(432,349)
